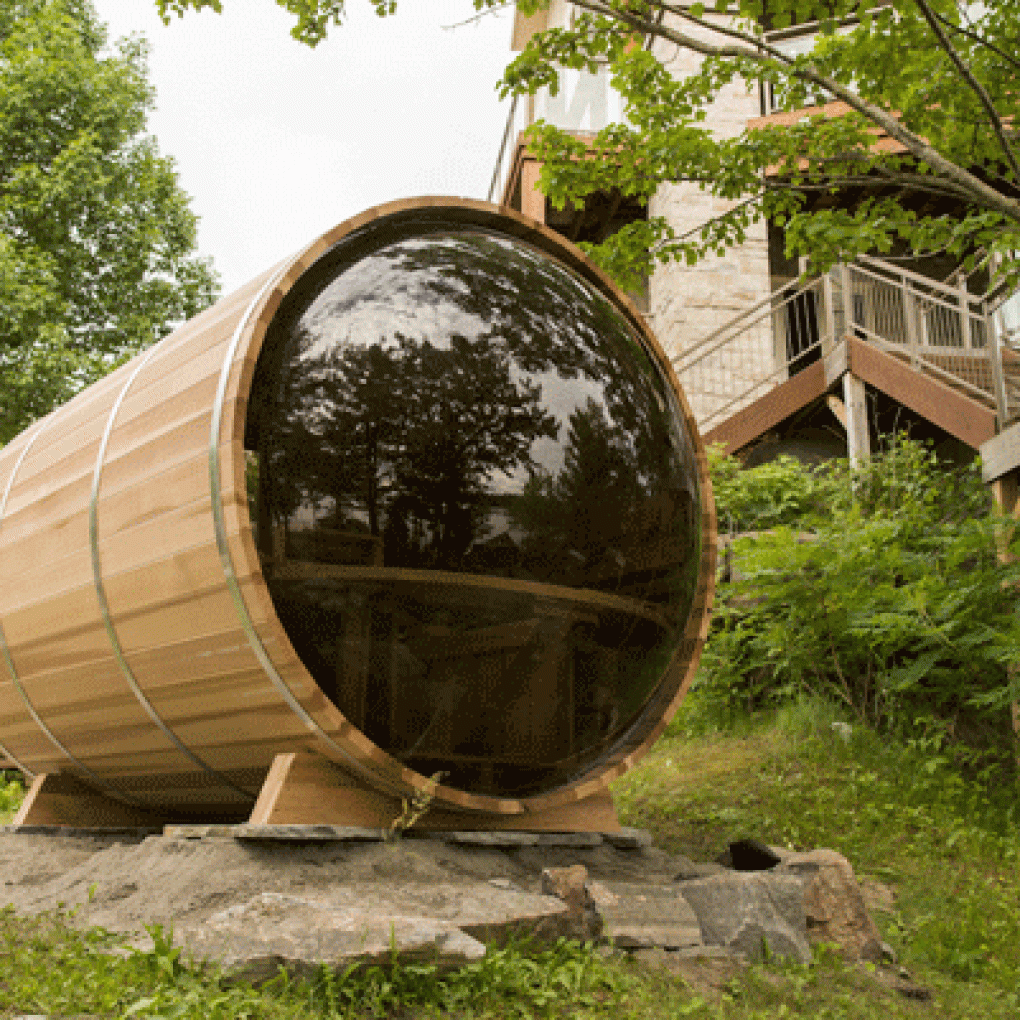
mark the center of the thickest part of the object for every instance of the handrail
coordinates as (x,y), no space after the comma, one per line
(507,131)
(703,425)
(916,316)
(737,320)
(924,281)
(931,299)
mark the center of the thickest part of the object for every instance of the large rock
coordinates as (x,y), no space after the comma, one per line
(740,910)
(643,916)
(448,925)
(253,940)
(834,907)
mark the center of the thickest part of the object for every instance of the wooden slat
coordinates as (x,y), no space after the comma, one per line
(1000,455)
(768,411)
(956,414)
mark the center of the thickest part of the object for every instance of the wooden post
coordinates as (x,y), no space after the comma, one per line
(829,340)
(532,200)
(848,299)
(910,320)
(964,313)
(858,440)
(993,350)
(57,798)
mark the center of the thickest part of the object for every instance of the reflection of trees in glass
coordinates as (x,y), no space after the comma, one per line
(410,433)
(577,519)
(408,387)
(546,318)
(405,435)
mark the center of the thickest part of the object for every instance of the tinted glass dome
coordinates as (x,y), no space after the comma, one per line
(475,502)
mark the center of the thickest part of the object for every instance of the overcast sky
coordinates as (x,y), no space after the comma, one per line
(276,142)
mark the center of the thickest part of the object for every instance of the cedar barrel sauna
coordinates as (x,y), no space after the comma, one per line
(421,509)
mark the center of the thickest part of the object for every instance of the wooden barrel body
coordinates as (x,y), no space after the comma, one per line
(415,527)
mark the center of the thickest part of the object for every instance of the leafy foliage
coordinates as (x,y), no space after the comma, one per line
(898,607)
(780,492)
(95,233)
(937,76)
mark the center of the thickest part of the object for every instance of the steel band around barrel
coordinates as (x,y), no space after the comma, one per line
(116,794)
(104,607)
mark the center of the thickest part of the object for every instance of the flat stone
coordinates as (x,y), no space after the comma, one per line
(629,839)
(278,833)
(199,831)
(742,909)
(497,839)
(253,940)
(137,831)
(365,923)
(310,833)
(709,953)
(640,916)
(570,839)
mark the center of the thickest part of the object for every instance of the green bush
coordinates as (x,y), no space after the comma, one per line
(780,492)
(898,608)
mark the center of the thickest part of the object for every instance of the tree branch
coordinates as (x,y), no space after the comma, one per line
(979,90)
(758,51)
(978,39)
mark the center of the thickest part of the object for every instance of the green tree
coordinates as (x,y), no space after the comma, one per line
(96,236)
(938,76)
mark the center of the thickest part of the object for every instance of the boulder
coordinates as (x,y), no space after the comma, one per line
(835,911)
(253,940)
(741,910)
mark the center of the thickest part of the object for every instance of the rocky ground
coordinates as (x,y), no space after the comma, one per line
(255,900)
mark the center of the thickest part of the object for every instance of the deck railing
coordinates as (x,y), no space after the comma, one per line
(754,352)
(941,329)
(584,104)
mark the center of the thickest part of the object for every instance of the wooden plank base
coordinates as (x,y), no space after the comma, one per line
(56,798)
(303,788)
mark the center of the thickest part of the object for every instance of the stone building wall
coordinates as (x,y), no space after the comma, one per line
(687,303)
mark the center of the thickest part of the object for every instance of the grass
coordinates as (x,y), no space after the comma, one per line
(947,846)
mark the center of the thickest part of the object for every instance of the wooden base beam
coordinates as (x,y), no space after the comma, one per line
(303,788)
(56,798)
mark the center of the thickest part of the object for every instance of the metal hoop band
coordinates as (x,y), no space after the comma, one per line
(226,558)
(116,794)
(104,606)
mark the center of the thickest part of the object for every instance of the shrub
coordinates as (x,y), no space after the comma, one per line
(899,608)
(780,492)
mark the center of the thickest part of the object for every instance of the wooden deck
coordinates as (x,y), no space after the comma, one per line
(952,411)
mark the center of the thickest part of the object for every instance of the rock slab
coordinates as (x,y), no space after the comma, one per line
(744,911)
(444,924)
(643,916)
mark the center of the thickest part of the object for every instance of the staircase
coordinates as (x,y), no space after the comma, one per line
(944,333)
